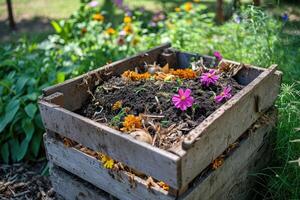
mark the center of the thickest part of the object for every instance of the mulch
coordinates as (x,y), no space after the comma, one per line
(24,181)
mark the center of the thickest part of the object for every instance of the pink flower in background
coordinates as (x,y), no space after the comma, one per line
(209,78)
(224,95)
(183,99)
(93,3)
(218,55)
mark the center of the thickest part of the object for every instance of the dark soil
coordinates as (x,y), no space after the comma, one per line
(23,181)
(152,97)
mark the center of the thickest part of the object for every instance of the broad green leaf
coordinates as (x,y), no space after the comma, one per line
(14,148)
(30,110)
(56,26)
(21,83)
(5,152)
(10,111)
(36,143)
(32,96)
(60,77)
(28,128)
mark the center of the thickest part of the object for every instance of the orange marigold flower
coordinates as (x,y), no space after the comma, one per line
(163,185)
(188,6)
(184,73)
(127,20)
(98,17)
(128,29)
(136,76)
(117,105)
(218,162)
(110,31)
(131,123)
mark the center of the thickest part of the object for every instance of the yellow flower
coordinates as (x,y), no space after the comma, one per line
(188,6)
(117,105)
(131,123)
(98,17)
(110,31)
(127,20)
(107,162)
(177,9)
(128,29)
(163,185)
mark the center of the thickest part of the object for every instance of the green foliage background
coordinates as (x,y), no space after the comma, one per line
(250,36)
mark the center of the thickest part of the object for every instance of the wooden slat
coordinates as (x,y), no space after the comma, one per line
(224,126)
(231,180)
(91,170)
(71,187)
(120,146)
(75,90)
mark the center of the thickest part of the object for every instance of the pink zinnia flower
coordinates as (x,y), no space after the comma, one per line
(209,78)
(183,99)
(93,3)
(225,95)
(218,55)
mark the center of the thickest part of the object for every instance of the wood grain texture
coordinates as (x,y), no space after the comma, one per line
(224,126)
(91,170)
(233,179)
(122,147)
(75,90)
(70,187)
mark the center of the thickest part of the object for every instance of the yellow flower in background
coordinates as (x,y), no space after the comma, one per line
(188,6)
(127,20)
(98,17)
(135,41)
(117,105)
(110,31)
(177,9)
(128,29)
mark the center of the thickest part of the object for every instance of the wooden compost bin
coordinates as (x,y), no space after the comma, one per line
(181,164)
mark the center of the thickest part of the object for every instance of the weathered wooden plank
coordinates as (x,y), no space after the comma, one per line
(122,147)
(71,187)
(231,180)
(225,125)
(90,169)
(75,90)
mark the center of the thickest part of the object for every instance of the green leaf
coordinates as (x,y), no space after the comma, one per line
(10,111)
(5,152)
(56,26)
(28,128)
(36,143)
(60,77)
(21,83)
(32,96)
(30,110)
(14,148)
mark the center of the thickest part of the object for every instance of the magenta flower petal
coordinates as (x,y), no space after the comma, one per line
(183,100)
(224,95)
(209,78)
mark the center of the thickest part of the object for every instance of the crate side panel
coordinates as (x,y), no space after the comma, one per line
(224,130)
(122,147)
(91,170)
(75,90)
(231,180)
(71,187)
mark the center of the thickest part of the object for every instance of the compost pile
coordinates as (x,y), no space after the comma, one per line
(150,105)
